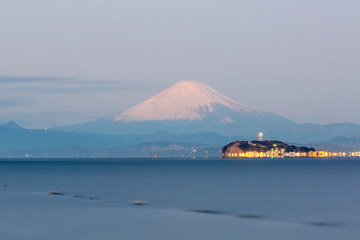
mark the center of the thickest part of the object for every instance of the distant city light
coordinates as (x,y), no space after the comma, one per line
(280,153)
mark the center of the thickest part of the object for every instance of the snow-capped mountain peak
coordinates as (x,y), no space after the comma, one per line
(186,100)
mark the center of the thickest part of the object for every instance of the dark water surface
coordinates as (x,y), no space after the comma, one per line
(318,192)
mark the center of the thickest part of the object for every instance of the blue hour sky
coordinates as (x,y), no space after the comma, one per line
(65,62)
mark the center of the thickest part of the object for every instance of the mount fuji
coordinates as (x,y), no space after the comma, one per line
(187,100)
(188,107)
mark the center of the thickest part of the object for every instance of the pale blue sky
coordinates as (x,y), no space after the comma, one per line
(64,62)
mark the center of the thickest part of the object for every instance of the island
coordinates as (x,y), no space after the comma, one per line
(268,148)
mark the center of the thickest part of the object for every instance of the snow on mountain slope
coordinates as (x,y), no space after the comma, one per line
(186,100)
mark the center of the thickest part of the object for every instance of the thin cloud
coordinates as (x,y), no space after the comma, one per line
(79,89)
(11,103)
(31,79)
(58,85)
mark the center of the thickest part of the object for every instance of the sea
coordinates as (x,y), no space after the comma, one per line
(174,199)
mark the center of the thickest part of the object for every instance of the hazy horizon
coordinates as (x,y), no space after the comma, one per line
(69,62)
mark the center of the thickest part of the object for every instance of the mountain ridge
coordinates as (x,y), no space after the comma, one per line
(189,106)
(22,138)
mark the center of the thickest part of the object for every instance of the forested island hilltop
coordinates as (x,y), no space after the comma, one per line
(269,148)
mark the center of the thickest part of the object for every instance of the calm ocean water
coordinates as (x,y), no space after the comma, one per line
(318,194)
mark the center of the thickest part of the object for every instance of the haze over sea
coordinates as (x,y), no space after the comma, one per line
(188,199)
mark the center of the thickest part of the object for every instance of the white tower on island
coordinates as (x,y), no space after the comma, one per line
(260,136)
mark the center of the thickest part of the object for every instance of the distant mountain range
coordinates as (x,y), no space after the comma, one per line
(189,107)
(18,142)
